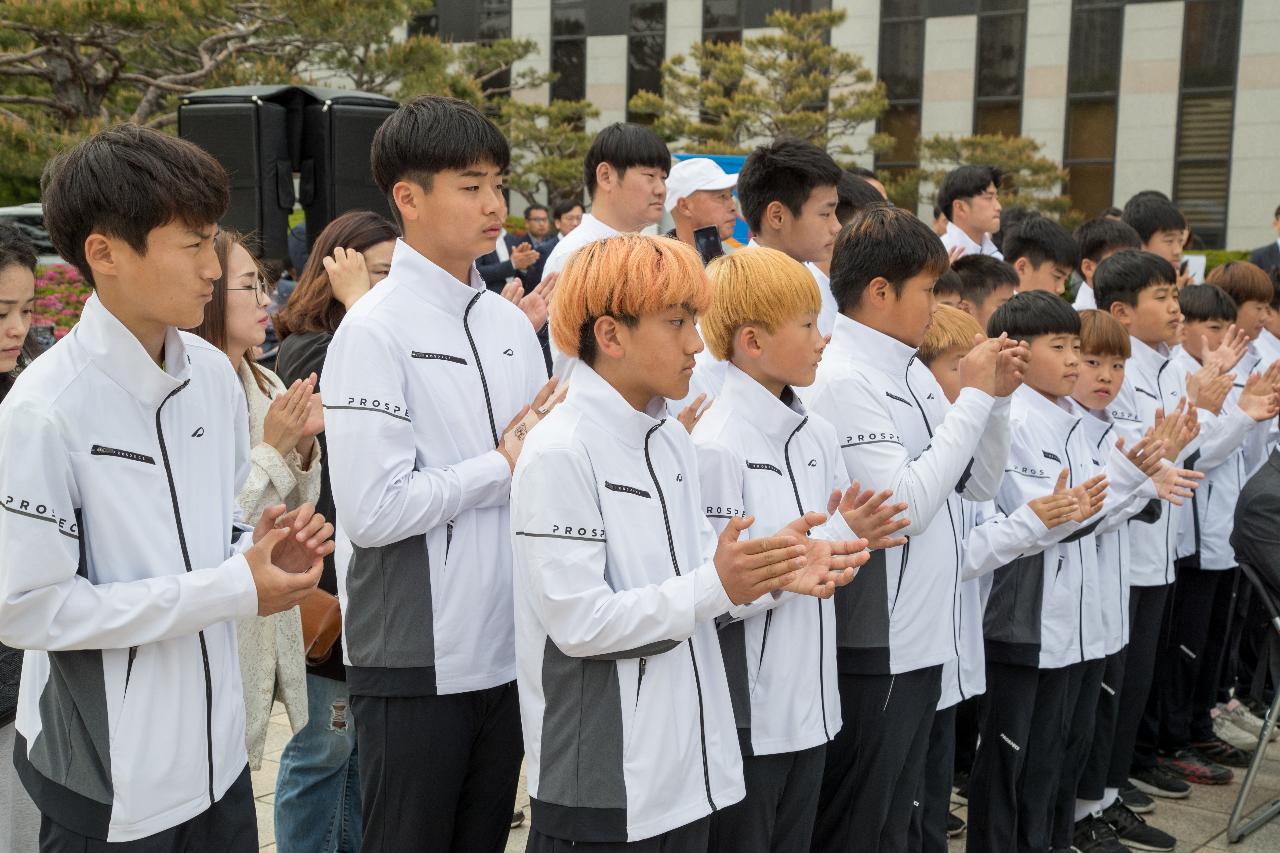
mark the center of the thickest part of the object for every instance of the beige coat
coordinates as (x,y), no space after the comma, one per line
(272,661)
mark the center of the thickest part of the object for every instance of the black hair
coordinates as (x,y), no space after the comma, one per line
(1010,218)
(429,135)
(16,249)
(1121,277)
(852,194)
(125,182)
(531,208)
(1150,212)
(785,170)
(1277,213)
(1039,239)
(1112,213)
(625,146)
(982,275)
(563,207)
(862,172)
(1206,302)
(1102,236)
(886,242)
(949,282)
(937,211)
(1032,314)
(966,182)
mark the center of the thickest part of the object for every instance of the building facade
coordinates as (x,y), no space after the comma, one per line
(1181,96)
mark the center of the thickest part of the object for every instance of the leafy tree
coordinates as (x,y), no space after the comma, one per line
(548,146)
(1032,180)
(724,97)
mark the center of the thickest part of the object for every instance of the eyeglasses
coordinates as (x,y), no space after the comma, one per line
(989,195)
(261,291)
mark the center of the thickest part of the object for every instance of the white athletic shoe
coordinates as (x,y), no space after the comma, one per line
(1242,718)
(1237,737)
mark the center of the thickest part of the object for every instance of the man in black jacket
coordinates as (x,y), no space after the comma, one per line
(1268,256)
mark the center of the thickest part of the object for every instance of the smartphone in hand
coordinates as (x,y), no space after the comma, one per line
(707,242)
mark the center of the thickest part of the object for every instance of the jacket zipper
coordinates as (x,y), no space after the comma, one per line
(484,383)
(1066,452)
(640,679)
(448,541)
(1168,516)
(822,651)
(675,564)
(128,672)
(186,559)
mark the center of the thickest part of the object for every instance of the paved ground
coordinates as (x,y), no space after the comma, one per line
(1199,822)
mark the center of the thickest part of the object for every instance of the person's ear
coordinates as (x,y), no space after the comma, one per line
(408,199)
(1023,266)
(878,291)
(605,175)
(747,341)
(1088,268)
(610,337)
(1122,312)
(959,207)
(682,206)
(967,307)
(101,253)
(774,215)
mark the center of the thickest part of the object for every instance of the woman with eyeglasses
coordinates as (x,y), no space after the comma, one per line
(284,469)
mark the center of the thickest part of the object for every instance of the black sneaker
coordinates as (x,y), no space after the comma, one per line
(960,789)
(1138,802)
(1218,751)
(955,825)
(1158,782)
(1135,832)
(1095,835)
(517,818)
(1194,767)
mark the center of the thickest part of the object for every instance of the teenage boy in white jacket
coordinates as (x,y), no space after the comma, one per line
(894,626)
(619,578)
(123,565)
(425,383)
(991,540)
(758,447)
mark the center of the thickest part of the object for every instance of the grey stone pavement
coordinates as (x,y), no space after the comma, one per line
(1198,822)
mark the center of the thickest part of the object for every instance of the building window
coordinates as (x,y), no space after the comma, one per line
(1093,89)
(1206,105)
(569,49)
(646,50)
(494,23)
(1002,48)
(902,70)
(722,20)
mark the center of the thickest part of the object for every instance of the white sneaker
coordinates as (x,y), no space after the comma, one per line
(1237,737)
(1240,717)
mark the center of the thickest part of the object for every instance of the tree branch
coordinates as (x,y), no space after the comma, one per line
(36,101)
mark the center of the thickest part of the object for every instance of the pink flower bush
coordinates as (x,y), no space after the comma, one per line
(60,296)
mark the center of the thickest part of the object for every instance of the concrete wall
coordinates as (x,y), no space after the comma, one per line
(1147,114)
(950,50)
(684,26)
(860,34)
(607,78)
(531,19)
(1044,81)
(1255,180)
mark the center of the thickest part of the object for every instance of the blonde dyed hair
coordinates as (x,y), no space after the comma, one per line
(949,329)
(1102,334)
(759,287)
(626,276)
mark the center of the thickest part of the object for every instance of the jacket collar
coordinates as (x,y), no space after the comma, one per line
(1059,416)
(853,340)
(1147,358)
(771,416)
(414,272)
(599,401)
(956,234)
(1096,425)
(116,352)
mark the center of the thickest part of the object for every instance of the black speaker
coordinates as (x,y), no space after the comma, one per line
(337,132)
(262,135)
(248,133)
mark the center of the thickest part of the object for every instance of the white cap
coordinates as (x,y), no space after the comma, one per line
(698,173)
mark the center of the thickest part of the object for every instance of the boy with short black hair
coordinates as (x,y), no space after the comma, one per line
(419,376)
(853,193)
(986,283)
(788,194)
(1161,227)
(948,289)
(123,562)
(620,579)
(970,200)
(1097,240)
(1043,253)
(895,627)
(759,447)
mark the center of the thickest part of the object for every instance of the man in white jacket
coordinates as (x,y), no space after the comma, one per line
(425,386)
(123,564)
(619,578)
(896,431)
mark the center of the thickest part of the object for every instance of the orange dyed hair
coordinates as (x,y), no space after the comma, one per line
(626,276)
(1102,334)
(949,329)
